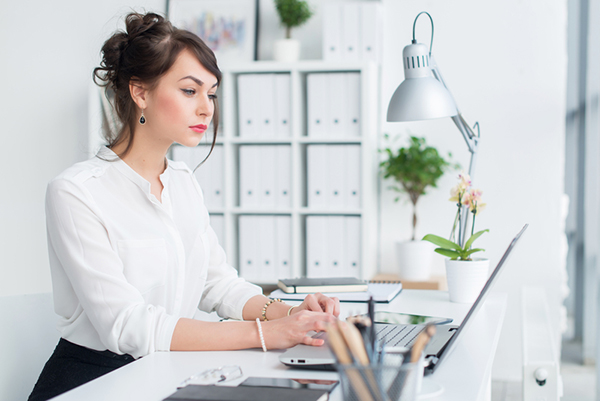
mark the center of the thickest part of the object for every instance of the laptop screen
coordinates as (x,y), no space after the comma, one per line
(479,301)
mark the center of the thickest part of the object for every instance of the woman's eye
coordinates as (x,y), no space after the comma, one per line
(189,91)
(212,96)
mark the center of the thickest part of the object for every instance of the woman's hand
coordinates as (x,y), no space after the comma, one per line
(289,331)
(319,303)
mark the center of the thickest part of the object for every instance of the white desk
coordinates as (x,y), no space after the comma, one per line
(465,375)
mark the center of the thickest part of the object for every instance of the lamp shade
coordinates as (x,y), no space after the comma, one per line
(420,96)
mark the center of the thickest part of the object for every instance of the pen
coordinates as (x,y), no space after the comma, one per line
(372,328)
(363,325)
(342,354)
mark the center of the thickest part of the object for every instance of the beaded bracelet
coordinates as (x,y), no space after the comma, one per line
(260,333)
(264,309)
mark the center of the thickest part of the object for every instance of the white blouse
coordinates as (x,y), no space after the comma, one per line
(125,267)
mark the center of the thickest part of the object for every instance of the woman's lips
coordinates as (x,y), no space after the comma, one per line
(200,128)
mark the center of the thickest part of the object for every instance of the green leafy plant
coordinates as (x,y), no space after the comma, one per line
(469,198)
(414,168)
(292,13)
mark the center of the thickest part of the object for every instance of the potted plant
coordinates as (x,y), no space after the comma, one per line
(414,168)
(292,13)
(466,274)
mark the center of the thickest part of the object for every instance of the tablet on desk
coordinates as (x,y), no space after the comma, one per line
(407,318)
(325,385)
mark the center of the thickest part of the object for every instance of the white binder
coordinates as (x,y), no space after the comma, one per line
(283,109)
(249,177)
(283,247)
(248,107)
(283,177)
(336,189)
(264,98)
(336,251)
(248,248)
(316,246)
(350,31)
(213,175)
(371,29)
(352,245)
(265,158)
(318,97)
(352,197)
(203,175)
(352,106)
(332,32)
(317,176)
(337,122)
(266,249)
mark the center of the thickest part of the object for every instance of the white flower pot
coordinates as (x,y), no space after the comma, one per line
(414,260)
(466,278)
(286,50)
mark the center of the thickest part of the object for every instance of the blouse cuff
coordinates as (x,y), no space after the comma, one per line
(166,334)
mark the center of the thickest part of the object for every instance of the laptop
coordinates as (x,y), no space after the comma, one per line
(402,335)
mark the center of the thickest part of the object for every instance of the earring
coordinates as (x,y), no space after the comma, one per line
(142,118)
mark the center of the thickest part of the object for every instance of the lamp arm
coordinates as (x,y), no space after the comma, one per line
(472,141)
(467,132)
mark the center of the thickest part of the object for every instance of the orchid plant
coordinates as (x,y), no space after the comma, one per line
(465,197)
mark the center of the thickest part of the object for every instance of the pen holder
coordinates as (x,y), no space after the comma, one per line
(380,382)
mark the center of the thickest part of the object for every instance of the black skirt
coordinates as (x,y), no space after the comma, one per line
(72,365)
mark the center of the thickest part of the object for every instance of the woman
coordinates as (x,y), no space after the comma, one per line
(132,253)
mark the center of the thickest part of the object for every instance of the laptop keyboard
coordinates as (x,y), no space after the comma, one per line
(393,335)
(396,335)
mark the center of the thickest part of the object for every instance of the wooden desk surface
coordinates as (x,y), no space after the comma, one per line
(465,374)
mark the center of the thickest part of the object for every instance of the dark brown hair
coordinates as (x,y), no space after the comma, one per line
(143,53)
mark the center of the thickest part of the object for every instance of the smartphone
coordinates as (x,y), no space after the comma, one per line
(325,385)
(407,318)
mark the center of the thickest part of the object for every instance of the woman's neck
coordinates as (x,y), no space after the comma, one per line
(149,162)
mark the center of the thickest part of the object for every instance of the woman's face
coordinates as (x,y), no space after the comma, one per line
(181,106)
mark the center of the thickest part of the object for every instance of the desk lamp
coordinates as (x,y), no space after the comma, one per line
(423,95)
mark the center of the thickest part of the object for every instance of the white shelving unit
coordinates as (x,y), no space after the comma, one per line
(298,141)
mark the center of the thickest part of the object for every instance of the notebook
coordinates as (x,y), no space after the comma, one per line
(222,393)
(326,284)
(441,344)
(382,292)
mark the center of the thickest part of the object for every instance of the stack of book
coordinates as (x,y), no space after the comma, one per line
(346,289)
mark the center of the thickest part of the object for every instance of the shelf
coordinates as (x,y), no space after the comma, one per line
(298,142)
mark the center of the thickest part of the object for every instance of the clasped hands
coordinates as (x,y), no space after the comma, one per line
(313,314)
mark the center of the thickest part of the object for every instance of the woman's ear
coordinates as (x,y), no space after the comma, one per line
(138,93)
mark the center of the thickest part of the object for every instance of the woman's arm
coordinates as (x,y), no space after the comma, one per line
(280,331)
(195,335)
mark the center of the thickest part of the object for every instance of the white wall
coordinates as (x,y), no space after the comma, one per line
(505,64)
(48,50)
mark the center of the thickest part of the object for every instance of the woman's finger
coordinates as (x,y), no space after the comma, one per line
(313,341)
(336,307)
(312,303)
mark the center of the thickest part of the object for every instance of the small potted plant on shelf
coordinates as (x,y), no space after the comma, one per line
(466,274)
(415,168)
(292,14)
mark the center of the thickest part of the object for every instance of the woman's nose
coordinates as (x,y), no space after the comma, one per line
(206,106)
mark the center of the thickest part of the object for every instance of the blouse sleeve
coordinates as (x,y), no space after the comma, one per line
(116,309)
(225,292)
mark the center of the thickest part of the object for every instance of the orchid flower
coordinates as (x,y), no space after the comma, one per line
(462,195)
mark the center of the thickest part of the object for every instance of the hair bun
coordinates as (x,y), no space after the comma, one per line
(114,48)
(137,24)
